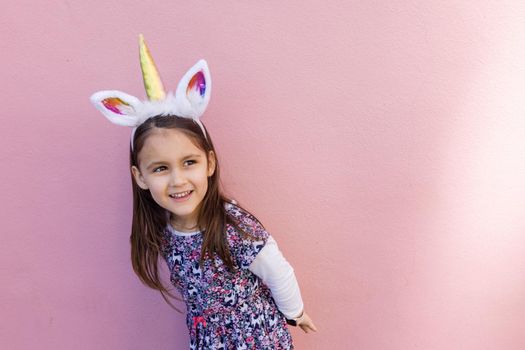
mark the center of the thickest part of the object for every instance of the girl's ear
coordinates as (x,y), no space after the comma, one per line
(119,107)
(194,89)
(211,163)
(138,178)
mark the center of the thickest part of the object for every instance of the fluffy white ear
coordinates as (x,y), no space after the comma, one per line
(194,89)
(119,107)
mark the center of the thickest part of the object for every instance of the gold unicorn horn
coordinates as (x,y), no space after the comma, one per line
(152,83)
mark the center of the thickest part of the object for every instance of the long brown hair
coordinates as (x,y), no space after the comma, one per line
(150,219)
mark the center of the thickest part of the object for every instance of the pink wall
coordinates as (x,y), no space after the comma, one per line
(381,143)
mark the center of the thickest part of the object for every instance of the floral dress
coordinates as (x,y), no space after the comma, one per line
(226,310)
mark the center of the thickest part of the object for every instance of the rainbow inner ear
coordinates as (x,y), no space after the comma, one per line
(193,91)
(197,84)
(116,105)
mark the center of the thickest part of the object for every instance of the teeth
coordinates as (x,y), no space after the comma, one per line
(180,195)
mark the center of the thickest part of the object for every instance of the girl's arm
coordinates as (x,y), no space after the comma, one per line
(271,266)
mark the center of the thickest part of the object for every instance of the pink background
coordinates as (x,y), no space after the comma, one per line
(380,142)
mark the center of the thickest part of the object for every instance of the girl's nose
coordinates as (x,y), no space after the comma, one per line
(177,178)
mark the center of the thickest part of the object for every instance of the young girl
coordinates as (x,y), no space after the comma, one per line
(240,292)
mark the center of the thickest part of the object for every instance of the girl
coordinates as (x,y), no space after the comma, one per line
(240,292)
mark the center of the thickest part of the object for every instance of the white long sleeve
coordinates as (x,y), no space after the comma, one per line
(271,266)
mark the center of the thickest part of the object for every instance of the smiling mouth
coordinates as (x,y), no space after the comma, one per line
(181,195)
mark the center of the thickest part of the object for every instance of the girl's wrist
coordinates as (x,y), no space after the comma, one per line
(296,320)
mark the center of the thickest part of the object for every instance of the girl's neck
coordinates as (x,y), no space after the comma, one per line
(185,227)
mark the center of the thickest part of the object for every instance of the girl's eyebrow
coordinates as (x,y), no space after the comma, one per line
(183,159)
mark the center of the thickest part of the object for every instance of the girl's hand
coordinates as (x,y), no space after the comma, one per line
(306,323)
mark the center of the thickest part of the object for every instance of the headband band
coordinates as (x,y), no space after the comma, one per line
(189,101)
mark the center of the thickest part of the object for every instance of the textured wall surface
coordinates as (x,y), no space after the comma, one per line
(380,142)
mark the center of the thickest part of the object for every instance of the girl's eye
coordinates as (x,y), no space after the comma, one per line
(159,169)
(162,167)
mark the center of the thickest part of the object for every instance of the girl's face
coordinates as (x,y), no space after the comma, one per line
(176,173)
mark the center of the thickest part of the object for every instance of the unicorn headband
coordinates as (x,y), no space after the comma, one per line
(190,100)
